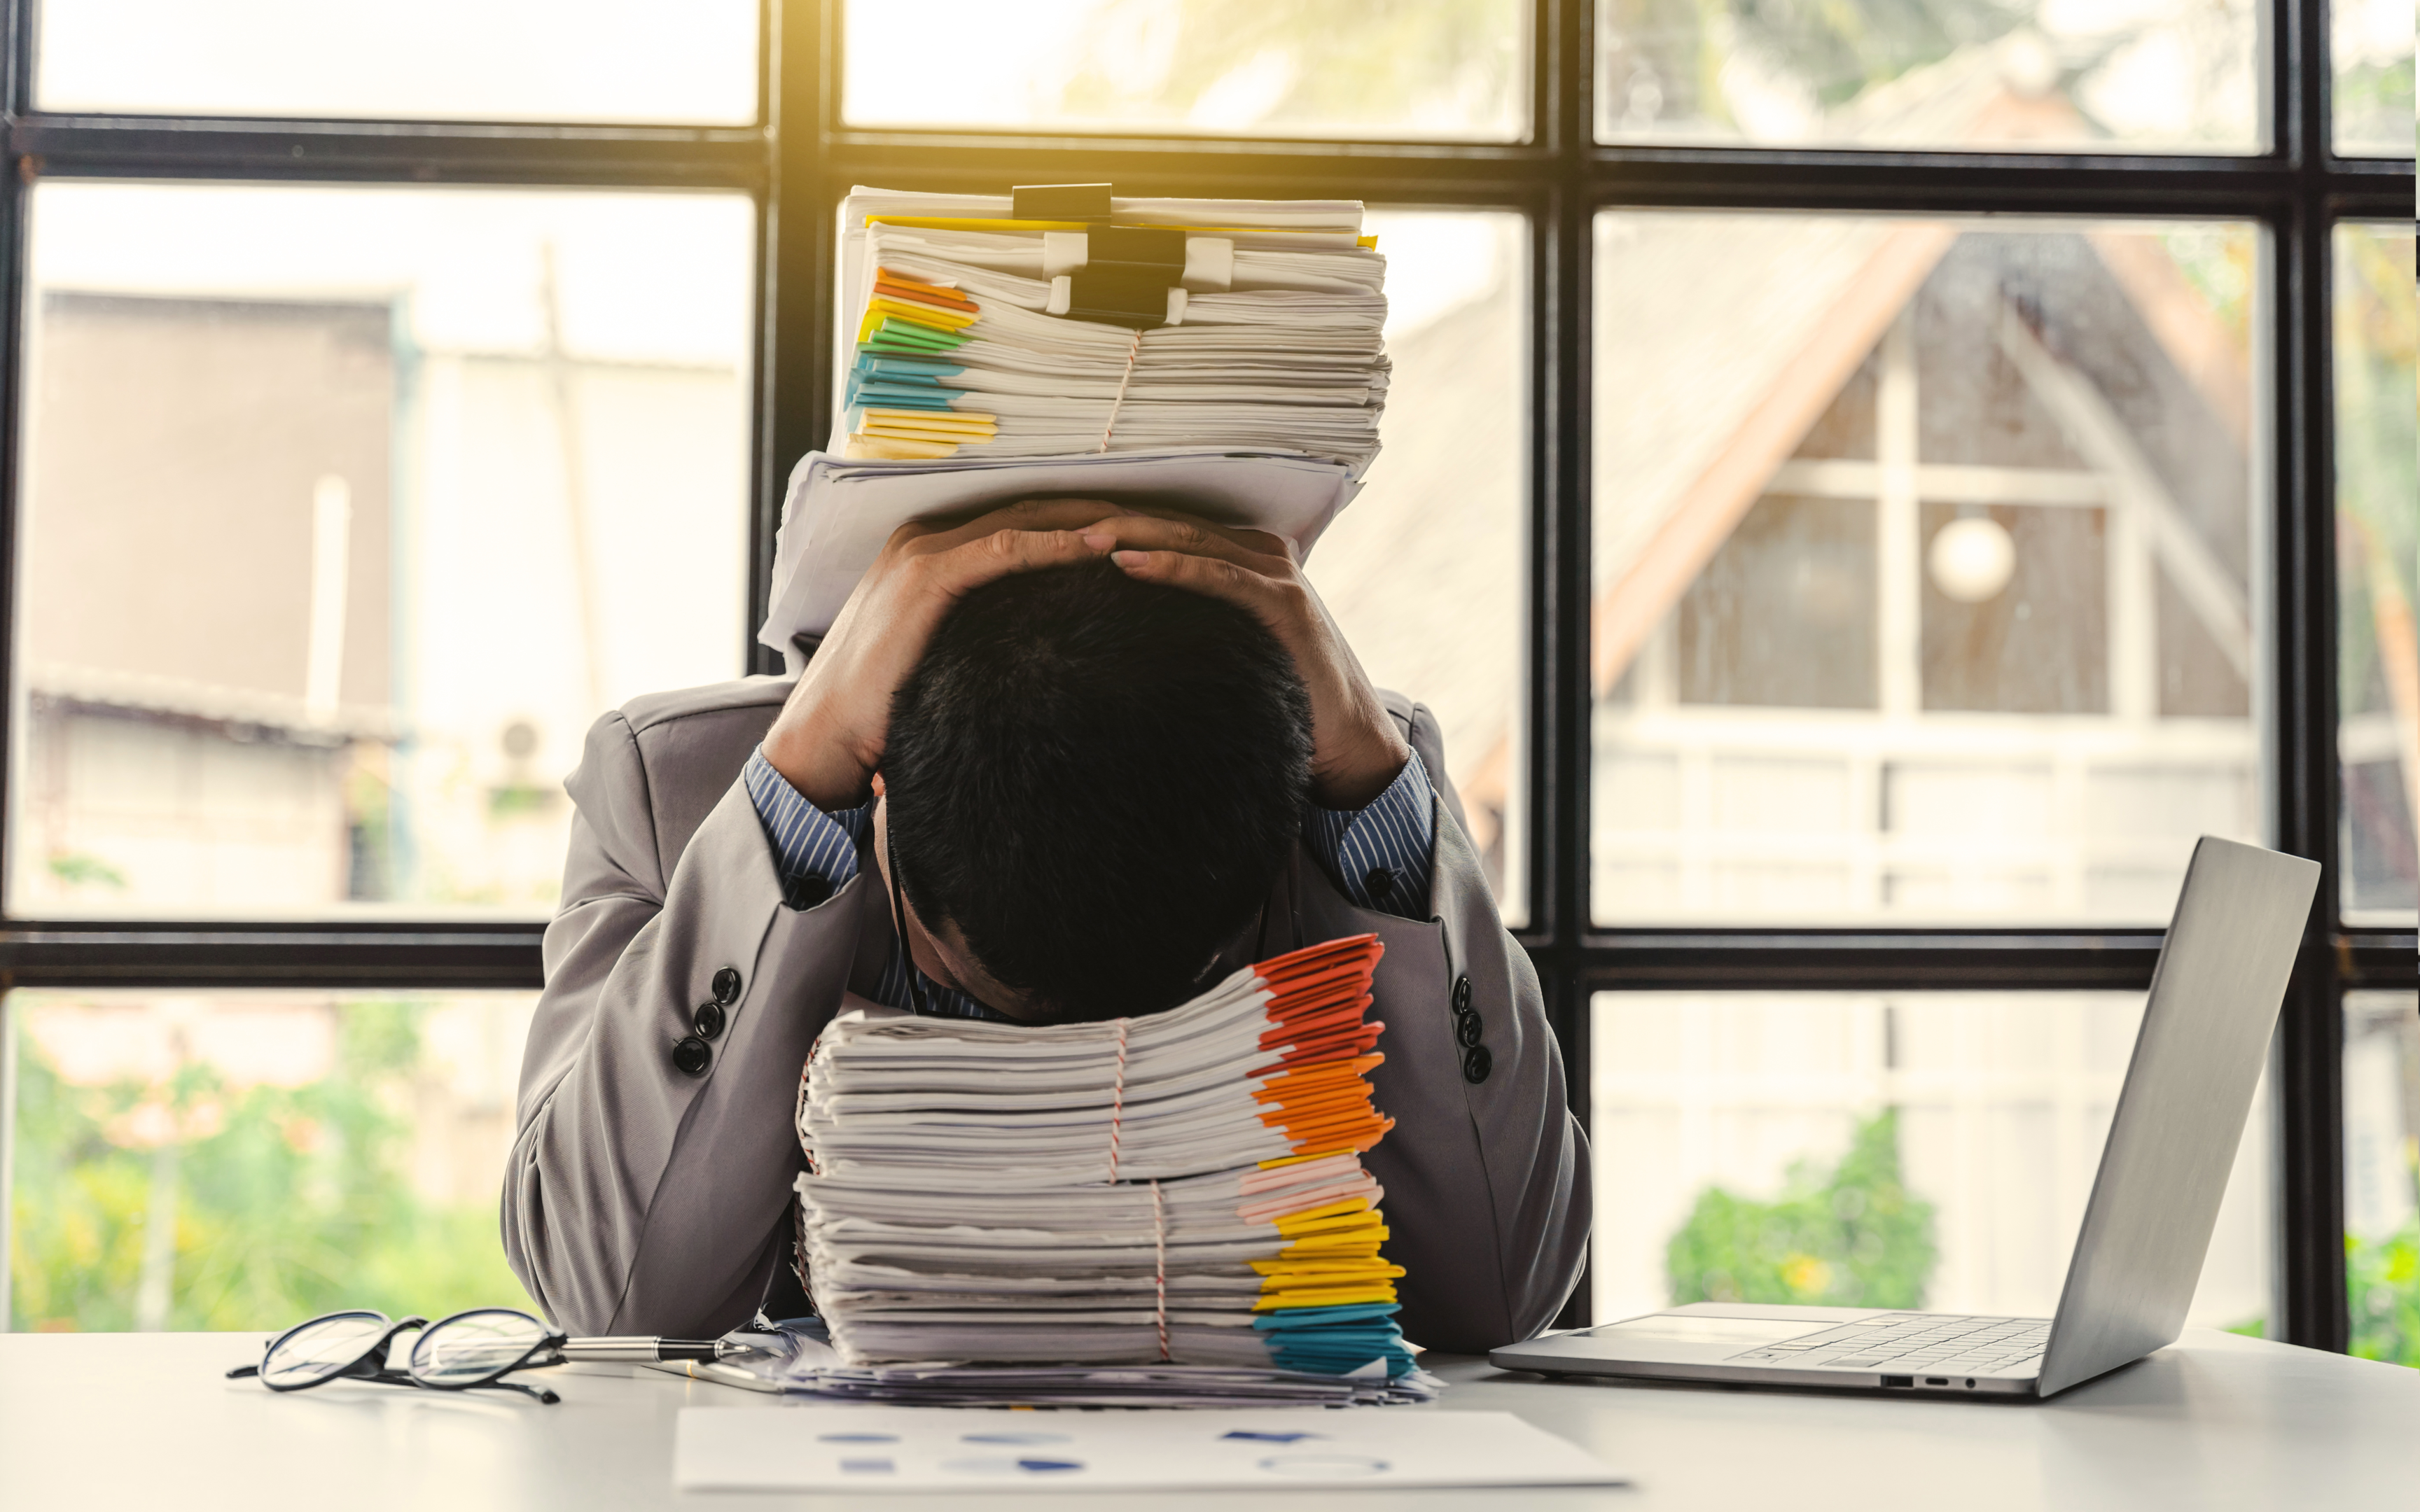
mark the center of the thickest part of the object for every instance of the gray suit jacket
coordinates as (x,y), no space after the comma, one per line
(643,1200)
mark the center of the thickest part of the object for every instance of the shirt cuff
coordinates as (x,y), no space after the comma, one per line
(1381,857)
(813,852)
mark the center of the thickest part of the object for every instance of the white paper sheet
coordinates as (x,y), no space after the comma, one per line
(838,514)
(924,1449)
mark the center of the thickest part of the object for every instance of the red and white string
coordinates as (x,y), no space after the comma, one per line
(1119,403)
(1117,1100)
(1159,1267)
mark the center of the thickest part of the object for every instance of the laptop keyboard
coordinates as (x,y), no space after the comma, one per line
(1915,1344)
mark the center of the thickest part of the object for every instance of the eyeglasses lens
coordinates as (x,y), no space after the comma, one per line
(320,1348)
(472,1347)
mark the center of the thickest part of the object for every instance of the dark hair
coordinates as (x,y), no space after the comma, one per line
(1097,780)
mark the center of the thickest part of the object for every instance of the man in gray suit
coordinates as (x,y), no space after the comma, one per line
(729,887)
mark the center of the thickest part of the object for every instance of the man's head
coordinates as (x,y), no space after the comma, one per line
(1090,783)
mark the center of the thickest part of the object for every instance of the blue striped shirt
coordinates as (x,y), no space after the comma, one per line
(1379,857)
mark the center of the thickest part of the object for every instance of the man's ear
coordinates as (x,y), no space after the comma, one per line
(878,784)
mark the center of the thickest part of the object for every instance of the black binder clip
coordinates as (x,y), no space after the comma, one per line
(1131,274)
(1061,201)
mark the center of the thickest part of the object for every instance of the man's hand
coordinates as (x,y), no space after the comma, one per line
(1356,748)
(829,737)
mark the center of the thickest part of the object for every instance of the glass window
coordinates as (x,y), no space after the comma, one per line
(1923,565)
(233,1159)
(492,60)
(1426,571)
(1977,75)
(2381,1144)
(2371,42)
(1434,69)
(346,512)
(2378,533)
(1887,1150)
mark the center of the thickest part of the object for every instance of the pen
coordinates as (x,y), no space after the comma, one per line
(647,1349)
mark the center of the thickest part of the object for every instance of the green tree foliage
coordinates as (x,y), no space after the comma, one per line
(287,1201)
(1305,64)
(1843,50)
(2382,1284)
(2378,449)
(2383,1287)
(1850,1237)
(1838,48)
(2373,105)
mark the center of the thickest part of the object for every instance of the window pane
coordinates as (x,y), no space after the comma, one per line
(246,1159)
(2381,1107)
(1429,69)
(1891,1150)
(1426,572)
(493,60)
(2372,43)
(1975,76)
(346,512)
(1923,566)
(2378,531)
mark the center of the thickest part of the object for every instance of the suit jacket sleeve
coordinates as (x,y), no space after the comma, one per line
(640,1199)
(1487,1182)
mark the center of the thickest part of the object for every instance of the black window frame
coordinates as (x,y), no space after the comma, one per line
(801,156)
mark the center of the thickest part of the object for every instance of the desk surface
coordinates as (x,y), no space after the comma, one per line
(2213,1421)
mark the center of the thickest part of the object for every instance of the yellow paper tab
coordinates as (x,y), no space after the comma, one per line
(923,314)
(945,223)
(1355,1241)
(897,449)
(1308,1219)
(953,222)
(884,311)
(1313,1272)
(946,419)
(1281,1301)
(1317,1154)
(955,438)
(904,434)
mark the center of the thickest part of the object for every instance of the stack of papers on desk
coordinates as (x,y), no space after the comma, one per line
(1165,1209)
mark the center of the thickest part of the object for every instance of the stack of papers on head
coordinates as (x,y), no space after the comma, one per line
(1240,324)
(1181,1190)
(973,368)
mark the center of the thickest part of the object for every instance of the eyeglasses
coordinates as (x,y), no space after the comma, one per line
(467,1351)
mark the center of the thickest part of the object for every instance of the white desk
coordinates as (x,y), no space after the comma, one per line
(145,1421)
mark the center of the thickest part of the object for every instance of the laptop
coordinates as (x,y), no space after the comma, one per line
(2215,996)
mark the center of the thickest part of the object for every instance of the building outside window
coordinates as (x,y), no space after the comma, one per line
(1864,489)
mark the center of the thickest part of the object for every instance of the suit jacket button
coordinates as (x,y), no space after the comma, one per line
(1466,1028)
(726,988)
(1476,1063)
(1462,994)
(691,1056)
(710,1020)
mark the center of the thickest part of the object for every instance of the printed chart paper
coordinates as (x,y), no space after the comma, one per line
(926,1449)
